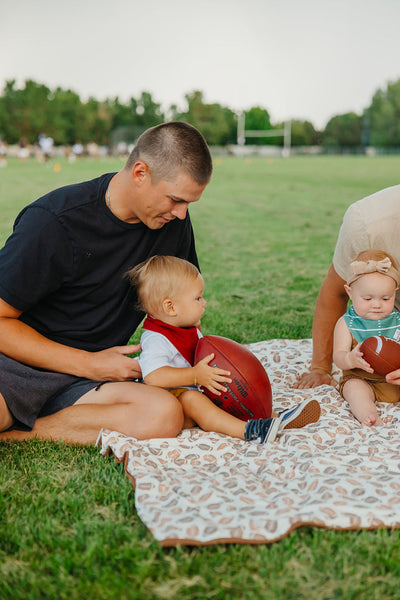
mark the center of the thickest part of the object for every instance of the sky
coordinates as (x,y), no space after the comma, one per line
(305,59)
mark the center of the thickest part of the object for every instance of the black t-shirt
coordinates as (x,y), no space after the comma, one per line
(65,262)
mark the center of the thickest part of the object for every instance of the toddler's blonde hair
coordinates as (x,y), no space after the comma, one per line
(160,277)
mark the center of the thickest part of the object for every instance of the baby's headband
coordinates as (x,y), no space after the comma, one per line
(358,268)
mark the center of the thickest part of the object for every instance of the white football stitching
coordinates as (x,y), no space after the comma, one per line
(378,344)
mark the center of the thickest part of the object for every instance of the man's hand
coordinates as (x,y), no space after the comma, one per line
(313,379)
(113,364)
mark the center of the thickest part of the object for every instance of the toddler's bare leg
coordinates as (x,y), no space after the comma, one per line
(209,417)
(361,399)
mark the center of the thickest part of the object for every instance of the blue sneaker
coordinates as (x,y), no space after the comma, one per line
(308,411)
(265,429)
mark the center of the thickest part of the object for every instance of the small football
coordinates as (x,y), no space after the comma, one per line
(382,353)
(249,395)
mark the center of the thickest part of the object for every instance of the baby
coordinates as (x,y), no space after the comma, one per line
(372,282)
(170,290)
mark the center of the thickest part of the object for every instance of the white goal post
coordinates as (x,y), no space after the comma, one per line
(243,133)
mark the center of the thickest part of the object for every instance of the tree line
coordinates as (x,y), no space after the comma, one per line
(27,111)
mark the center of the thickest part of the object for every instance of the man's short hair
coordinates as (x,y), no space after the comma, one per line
(173,147)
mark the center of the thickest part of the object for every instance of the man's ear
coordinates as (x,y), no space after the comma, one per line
(168,307)
(140,172)
(348,290)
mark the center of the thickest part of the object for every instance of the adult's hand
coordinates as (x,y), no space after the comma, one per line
(24,344)
(313,379)
(393,377)
(113,364)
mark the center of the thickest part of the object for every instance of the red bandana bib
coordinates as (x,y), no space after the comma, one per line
(183,338)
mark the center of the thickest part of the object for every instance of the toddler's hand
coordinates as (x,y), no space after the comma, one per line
(356,360)
(211,377)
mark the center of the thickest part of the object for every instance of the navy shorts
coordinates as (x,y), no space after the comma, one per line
(30,392)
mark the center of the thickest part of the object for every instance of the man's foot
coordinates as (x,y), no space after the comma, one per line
(308,411)
(265,429)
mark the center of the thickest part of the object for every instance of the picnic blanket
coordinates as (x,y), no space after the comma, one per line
(205,488)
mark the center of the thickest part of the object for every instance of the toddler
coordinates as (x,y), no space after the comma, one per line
(170,291)
(372,282)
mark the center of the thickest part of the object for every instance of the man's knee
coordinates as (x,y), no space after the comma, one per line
(6,419)
(170,416)
(161,418)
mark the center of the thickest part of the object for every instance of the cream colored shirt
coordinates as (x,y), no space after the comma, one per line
(373,222)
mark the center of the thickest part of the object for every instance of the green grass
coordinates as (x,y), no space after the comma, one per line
(265,233)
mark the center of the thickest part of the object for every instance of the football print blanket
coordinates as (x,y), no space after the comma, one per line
(206,488)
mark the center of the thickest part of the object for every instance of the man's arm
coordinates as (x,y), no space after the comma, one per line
(330,306)
(25,344)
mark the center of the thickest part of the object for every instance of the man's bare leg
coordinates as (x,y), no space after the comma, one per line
(149,413)
(6,419)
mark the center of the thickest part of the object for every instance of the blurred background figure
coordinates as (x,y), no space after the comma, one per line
(93,150)
(78,149)
(3,152)
(46,144)
(23,149)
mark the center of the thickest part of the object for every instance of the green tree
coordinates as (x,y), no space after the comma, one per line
(304,134)
(384,116)
(258,119)
(218,124)
(148,113)
(25,112)
(98,121)
(68,122)
(343,131)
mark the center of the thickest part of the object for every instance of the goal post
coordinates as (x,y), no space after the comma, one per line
(285,132)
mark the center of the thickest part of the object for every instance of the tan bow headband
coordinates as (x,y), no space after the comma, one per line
(358,268)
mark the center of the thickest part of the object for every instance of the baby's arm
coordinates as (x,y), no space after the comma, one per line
(201,374)
(343,356)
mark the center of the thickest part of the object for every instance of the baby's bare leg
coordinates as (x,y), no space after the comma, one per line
(208,416)
(361,399)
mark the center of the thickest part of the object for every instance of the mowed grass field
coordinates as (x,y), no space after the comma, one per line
(265,230)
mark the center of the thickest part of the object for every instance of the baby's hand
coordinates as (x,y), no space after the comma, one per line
(211,377)
(356,360)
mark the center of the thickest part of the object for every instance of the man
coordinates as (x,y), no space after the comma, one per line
(373,222)
(66,309)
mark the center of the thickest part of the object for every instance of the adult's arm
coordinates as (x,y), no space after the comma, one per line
(25,344)
(330,306)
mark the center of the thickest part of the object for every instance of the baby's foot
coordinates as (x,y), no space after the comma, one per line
(372,420)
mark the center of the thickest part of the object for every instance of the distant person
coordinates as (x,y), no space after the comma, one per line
(66,310)
(3,152)
(23,152)
(372,281)
(372,222)
(170,291)
(78,149)
(93,150)
(46,144)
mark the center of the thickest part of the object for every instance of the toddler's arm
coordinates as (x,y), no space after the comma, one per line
(201,374)
(343,356)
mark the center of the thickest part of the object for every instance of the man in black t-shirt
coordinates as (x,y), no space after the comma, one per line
(66,309)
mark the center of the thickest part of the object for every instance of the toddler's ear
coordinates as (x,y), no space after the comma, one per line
(168,307)
(348,290)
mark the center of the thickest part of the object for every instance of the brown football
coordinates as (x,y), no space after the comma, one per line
(249,395)
(382,353)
